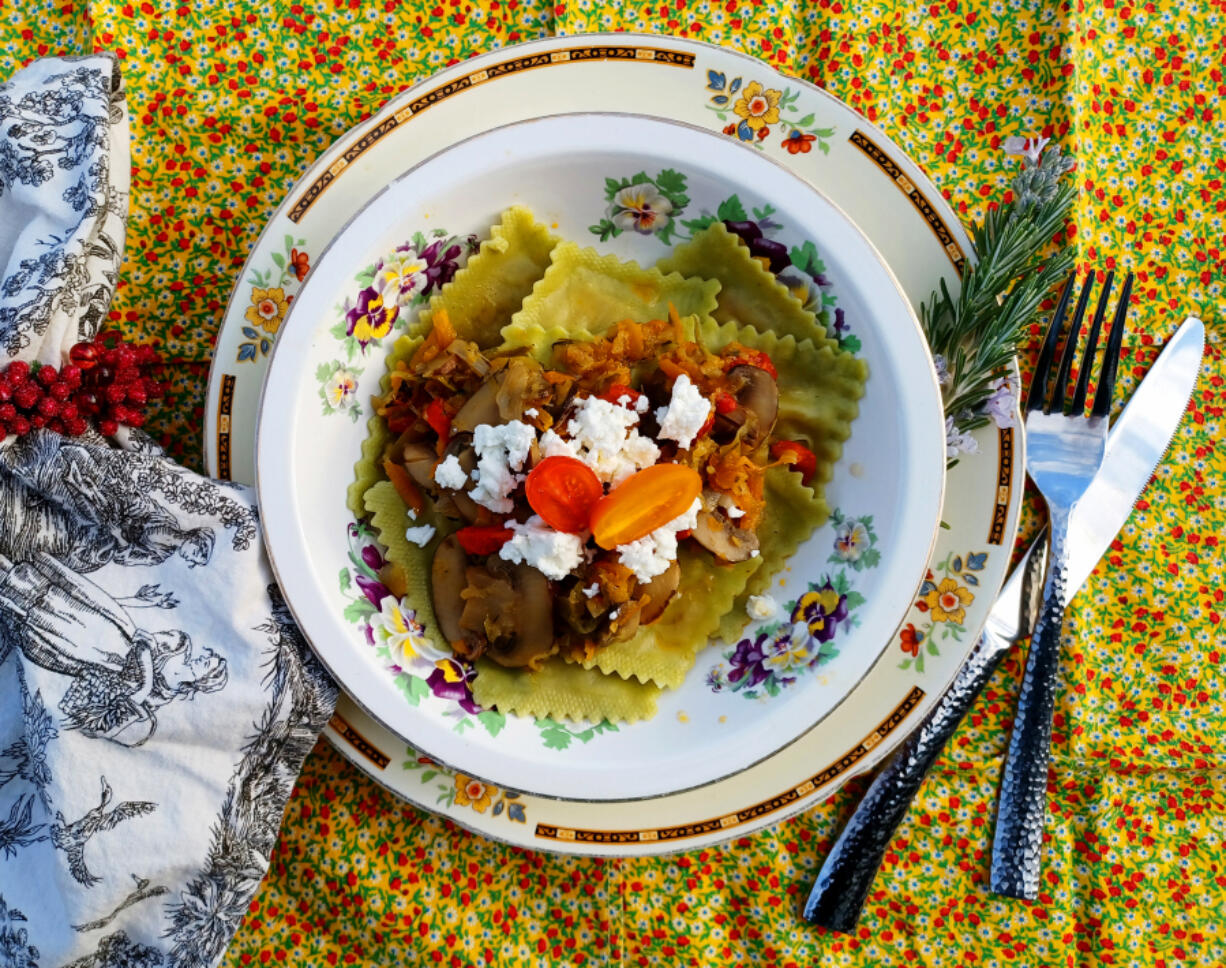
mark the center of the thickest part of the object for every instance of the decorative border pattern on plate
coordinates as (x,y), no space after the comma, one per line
(646,55)
(715,824)
(359,742)
(1004,487)
(225,407)
(922,205)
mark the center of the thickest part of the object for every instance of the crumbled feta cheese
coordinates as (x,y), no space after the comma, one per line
(638,404)
(754,553)
(592,589)
(420,536)
(603,436)
(730,507)
(554,446)
(500,450)
(685,414)
(450,474)
(652,554)
(762,608)
(412,515)
(553,553)
(532,412)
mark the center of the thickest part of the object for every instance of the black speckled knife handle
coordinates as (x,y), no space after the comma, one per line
(843,883)
(1021,810)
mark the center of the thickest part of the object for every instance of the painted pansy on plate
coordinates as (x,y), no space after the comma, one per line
(767,286)
(389,290)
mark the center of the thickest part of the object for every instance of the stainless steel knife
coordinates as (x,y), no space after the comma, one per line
(1135,445)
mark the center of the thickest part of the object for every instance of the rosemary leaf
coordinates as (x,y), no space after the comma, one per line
(975,335)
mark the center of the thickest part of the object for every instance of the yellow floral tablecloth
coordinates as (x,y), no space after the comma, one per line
(1136,864)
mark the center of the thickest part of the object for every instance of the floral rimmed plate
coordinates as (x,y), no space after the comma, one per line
(871,179)
(842,593)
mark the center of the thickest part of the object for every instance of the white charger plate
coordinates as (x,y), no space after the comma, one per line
(841,608)
(876,184)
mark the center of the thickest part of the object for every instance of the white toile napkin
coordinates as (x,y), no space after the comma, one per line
(156,701)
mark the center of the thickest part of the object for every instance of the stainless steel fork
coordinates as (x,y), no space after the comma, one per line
(1064,450)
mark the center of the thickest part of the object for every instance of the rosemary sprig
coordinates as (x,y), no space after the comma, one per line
(975,335)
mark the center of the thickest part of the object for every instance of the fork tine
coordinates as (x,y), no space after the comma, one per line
(1056,401)
(1042,367)
(1111,357)
(1087,359)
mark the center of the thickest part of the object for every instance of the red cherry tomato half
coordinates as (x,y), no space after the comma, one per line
(483,539)
(563,491)
(617,391)
(798,456)
(753,358)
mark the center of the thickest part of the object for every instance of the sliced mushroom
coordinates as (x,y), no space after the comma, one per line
(533,611)
(419,461)
(480,408)
(623,622)
(466,507)
(658,593)
(489,608)
(447,581)
(723,538)
(757,398)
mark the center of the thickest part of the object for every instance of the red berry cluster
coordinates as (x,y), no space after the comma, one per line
(107,381)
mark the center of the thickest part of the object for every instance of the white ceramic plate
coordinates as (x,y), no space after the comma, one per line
(850,584)
(876,184)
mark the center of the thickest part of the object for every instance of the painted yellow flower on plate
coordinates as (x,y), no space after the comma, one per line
(758,106)
(948,601)
(472,793)
(267,308)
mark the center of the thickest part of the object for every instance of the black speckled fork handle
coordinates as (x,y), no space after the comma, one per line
(1021,810)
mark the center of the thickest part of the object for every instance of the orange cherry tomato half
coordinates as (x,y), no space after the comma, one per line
(643,502)
(563,491)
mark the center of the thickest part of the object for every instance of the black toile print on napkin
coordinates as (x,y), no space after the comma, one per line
(57,135)
(156,700)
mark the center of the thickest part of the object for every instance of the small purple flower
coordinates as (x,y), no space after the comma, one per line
(958,441)
(942,368)
(840,320)
(748,660)
(442,262)
(450,680)
(1028,148)
(1000,405)
(370,555)
(822,610)
(361,547)
(371,319)
(375,591)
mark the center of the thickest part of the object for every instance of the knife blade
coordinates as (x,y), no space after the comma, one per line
(1135,445)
